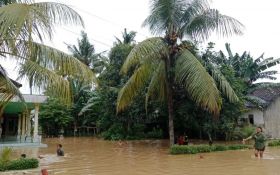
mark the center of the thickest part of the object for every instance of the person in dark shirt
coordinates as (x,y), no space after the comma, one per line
(59,150)
(260,140)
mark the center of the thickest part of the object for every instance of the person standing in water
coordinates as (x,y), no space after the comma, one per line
(59,150)
(260,140)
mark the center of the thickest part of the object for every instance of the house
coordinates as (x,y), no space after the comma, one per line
(266,111)
(19,120)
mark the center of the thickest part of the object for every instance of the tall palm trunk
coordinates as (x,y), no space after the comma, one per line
(170,112)
(169,91)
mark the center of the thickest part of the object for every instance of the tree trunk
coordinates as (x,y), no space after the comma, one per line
(170,115)
(169,91)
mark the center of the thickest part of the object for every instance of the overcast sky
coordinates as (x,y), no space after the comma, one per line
(105,19)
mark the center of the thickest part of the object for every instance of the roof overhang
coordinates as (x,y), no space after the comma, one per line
(15,106)
(31,98)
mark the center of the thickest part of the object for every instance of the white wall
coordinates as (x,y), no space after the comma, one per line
(258,116)
(272,119)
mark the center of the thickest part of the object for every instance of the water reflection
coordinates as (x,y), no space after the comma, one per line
(90,156)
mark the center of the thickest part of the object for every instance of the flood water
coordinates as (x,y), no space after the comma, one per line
(91,156)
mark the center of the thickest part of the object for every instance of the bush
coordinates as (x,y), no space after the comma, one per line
(20,164)
(115,132)
(5,155)
(155,134)
(193,149)
(244,132)
(274,143)
(236,147)
(220,148)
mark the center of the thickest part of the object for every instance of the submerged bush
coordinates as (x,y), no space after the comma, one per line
(274,143)
(155,134)
(20,164)
(194,149)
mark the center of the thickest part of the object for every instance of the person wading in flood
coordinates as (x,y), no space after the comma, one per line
(260,139)
(59,150)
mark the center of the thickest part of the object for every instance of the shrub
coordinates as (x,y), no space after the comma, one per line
(220,147)
(155,133)
(183,149)
(274,143)
(244,132)
(193,149)
(20,164)
(115,132)
(236,147)
(5,155)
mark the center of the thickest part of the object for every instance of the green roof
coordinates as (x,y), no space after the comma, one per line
(17,107)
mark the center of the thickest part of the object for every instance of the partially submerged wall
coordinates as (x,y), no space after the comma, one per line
(272,119)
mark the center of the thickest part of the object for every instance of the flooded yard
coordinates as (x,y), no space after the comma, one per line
(91,156)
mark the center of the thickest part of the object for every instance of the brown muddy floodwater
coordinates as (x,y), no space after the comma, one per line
(90,156)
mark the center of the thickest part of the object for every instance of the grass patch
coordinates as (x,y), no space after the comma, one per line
(194,149)
(274,143)
(20,164)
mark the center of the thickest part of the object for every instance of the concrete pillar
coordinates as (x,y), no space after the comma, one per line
(28,124)
(36,125)
(19,126)
(23,127)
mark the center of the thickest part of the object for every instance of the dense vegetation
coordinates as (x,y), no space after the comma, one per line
(97,107)
(19,164)
(194,149)
(274,143)
(162,86)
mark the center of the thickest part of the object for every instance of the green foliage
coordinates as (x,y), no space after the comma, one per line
(131,124)
(194,149)
(5,155)
(45,67)
(115,132)
(85,52)
(243,132)
(20,164)
(236,147)
(274,143)
(54,116)
(155,133)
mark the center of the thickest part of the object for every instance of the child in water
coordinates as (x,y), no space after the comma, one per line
(59,150)
(260,139)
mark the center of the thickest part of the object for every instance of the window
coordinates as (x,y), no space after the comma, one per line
(251,118)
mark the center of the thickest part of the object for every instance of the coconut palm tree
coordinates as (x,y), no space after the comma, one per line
(24,26)
(85,52)
(164,62)
(127,37)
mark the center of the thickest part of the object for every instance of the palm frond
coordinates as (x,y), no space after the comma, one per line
(8,89)
(267,63)
(93,101)
(24,19)
(148,49)
(199,84)
(202,25)
(257,86)
(157,85)
(48,80)
(272,72)
(55,60)
(224,86)
(165,15)
(137,81)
